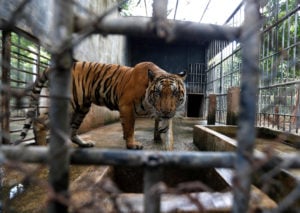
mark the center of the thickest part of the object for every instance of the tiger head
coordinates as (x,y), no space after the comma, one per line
(166,93)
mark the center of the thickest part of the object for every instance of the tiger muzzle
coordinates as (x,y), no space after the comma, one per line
(166,114)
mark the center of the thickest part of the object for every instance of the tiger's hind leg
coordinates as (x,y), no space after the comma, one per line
(40,130)
(76,120)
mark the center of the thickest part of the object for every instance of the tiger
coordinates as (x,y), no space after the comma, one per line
(142,90)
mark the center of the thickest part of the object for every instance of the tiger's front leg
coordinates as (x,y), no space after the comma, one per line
(163,132)
(76,120)
(157,137)
(128,119)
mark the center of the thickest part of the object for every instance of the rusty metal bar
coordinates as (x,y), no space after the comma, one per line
(177,30)
(144,158)
(250,39)
(60,92)
(152,176)
(184,159)
(288,201)
(5,79)
(159,9)
(130,158)
(212,104)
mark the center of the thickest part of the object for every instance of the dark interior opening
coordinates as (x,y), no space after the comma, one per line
(195,105)
(130,180)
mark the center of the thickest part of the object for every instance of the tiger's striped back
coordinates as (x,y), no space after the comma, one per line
(98,83)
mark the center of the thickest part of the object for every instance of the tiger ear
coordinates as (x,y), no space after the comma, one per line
(182,75)
(151,75)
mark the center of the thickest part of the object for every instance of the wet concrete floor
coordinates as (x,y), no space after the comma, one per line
(111,136)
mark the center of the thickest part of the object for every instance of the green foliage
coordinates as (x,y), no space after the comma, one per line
(126,8)
(279,45)
(27,58)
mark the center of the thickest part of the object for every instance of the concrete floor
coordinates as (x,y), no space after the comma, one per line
(90,190)
(85,179)
(111,136)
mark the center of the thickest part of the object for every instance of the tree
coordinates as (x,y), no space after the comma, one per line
(281,34)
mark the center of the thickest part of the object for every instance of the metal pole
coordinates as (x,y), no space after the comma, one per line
(175,30)
(249,87)
(115,157)
(60,90)
(152,175)
(5,78)
(160,9)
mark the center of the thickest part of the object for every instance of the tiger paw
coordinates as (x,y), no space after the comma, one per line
(134,145)
(80,143)
(86,144)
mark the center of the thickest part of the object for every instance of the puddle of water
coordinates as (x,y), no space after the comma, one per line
(30,197)
(16,190)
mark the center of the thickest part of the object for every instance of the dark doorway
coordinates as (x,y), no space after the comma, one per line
(195,105)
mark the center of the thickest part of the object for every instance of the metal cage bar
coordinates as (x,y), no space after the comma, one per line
(131,158)
(60,93)
(6,45)
(249,87)
(59,155)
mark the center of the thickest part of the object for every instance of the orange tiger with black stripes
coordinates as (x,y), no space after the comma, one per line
(142,90)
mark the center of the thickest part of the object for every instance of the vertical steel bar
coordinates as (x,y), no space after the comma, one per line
(221,71)
(152,175)
(60,91)
(160,9)
(5,78)
(4,101)
(159,16)
(249,87)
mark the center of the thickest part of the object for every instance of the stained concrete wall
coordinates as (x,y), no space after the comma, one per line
(107,49)
(36,19)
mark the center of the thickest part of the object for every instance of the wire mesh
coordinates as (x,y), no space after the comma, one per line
(277,105)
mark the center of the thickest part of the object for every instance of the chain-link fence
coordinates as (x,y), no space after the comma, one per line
(266,70)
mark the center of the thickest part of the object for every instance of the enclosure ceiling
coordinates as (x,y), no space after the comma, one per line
(203,11)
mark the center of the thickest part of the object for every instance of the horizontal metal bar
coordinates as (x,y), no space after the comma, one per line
(175,30)
(133,158)
(287,15)
(283,84)
(152,158)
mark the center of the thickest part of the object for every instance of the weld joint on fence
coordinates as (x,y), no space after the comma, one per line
(153,160)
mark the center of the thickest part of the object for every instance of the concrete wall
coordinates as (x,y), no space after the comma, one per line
(36,19)
(107,49)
